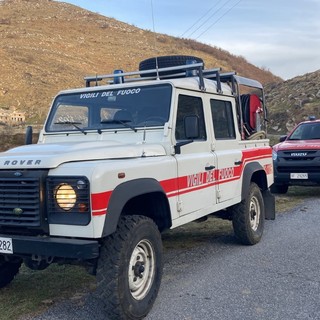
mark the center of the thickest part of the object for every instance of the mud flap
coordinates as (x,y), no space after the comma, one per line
(269,205)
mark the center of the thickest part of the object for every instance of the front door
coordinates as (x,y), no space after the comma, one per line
(196,163)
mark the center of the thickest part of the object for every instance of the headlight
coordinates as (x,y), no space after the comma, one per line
(274,155)
(68,200)
(65,196)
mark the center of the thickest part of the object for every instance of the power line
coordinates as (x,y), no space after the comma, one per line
(212,15)
(217,20)
(207,12)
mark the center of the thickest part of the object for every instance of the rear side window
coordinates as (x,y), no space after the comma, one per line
(222,118)
(189,106)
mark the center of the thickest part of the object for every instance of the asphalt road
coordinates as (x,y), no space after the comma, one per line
(279,278)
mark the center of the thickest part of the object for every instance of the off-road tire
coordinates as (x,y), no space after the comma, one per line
(279,188)
(8,270)
(165,62)
(248,217)
(129,269)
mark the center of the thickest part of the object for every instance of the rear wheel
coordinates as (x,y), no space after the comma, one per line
(8,270)
(130,268)
(248,217)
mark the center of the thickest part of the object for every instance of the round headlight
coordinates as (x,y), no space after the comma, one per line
(65,196)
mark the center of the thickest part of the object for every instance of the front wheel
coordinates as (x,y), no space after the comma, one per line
(248,217)
(130,268)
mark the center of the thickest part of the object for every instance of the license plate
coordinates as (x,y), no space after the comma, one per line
(298,175)
(6,245)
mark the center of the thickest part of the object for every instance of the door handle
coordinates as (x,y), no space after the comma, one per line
(209,168)
(237,163)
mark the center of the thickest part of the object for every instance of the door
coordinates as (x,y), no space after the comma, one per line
(227,150)
(195,162)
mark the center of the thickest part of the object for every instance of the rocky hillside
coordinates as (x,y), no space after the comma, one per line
(46,46)
(293,101)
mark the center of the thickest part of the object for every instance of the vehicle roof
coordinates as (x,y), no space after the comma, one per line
(188,83)
(310,121)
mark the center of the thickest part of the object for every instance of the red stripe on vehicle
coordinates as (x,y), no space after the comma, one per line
(182,185)
(99,202)
(169,185)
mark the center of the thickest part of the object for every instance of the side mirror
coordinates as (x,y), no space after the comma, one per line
(191,127)
(282,138)
(191,130)
(28,137)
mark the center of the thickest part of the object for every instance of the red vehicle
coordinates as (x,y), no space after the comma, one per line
(296,158)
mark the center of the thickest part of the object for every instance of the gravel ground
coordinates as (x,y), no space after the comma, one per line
(278,278)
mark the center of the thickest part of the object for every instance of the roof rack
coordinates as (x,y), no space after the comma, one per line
(182,71)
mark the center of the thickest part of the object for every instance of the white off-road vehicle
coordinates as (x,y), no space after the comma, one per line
(127,157)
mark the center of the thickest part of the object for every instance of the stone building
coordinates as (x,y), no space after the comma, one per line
(12,117)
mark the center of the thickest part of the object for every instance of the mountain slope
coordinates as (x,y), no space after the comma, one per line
(46,46)
(293,101)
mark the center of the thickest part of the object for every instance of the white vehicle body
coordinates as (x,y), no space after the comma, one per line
(192,190)
(91,168)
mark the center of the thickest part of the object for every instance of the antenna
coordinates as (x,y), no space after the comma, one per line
(155,40)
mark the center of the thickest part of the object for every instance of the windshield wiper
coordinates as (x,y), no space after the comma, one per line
(123,122)
(75,124)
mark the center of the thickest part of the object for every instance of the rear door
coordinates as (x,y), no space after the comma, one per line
(226,147)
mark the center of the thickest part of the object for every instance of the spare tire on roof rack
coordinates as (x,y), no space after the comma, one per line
(166,62)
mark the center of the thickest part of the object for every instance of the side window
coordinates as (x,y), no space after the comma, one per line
(189,106)
(222,117)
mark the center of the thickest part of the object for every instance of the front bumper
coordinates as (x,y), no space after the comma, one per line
(76,249)
(284,178)
(308,166)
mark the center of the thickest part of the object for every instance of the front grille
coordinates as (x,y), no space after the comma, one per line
(300,155)
(20,202)
(298,169)
(298,161)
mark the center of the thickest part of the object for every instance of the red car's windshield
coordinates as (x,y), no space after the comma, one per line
(306,131)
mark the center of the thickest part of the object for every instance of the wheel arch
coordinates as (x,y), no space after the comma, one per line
(254,172)
(140,196)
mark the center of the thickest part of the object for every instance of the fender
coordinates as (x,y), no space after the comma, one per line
(255,169)
(249,170)
(122,194)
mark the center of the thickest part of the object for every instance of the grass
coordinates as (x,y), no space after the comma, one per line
(295,196)
(194,233)
(32,292)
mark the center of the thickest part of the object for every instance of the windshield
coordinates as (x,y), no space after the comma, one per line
(128,108)
(306,131)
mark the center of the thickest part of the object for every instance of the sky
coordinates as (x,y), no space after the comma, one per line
(282,36)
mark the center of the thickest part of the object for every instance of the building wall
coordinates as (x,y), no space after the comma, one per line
(12,117)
